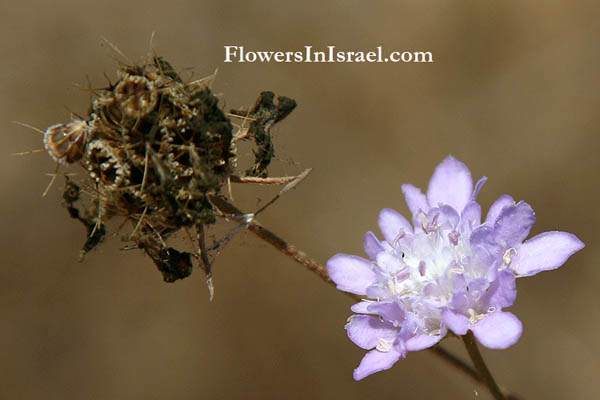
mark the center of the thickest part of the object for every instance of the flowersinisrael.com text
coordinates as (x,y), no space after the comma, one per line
(331,55)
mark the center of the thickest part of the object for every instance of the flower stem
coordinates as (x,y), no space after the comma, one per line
(480,375)
(484,373)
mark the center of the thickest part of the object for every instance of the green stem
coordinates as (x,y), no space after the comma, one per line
(483,371)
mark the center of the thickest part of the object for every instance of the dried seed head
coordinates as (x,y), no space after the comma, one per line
(66,142)
(137,95)
(158,151)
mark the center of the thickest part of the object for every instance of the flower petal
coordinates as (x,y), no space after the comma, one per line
(367,331)
(471,217)
(415,199)
(502,292)
(513,225)
(388,310)
(372,245)
(498,330)
(450,184)
(389,263)
(483,237)
(421,342)
(351,273)
(457,323)
(478,187)
(546,251)
(447,217)
(377,292)
(375,361)
(392,223)
(497,208)
(361,307)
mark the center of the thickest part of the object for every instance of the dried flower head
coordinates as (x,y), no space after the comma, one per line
(446,271)
(157,152)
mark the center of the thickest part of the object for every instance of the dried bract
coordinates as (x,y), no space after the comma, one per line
(66,142)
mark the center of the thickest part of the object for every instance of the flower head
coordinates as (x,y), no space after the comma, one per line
(447,270)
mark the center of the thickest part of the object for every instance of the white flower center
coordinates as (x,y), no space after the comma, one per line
(421,268)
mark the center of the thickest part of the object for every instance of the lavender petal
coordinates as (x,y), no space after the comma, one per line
(513,224)
(392,224)
(503,291)
(546,251)
(470,217)
(478,187)
(388,310)
(450,184)
(422,342)
(375,361)
(351,273)
(457,323)
(361,307)
(372,245)
(367,331)
(497,207)
(498,330)
(415,199)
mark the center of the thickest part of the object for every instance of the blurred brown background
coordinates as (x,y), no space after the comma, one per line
(513,92)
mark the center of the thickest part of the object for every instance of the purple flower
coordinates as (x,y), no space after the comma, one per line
(446,271)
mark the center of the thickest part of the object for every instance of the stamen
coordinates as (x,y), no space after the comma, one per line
(457,270)
(474,317)
(349,321)
(383,345)
(453,237)
(507,257)
(398,238)
(422,268)
(433,226)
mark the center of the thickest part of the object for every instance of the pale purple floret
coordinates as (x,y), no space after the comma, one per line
(445,271)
